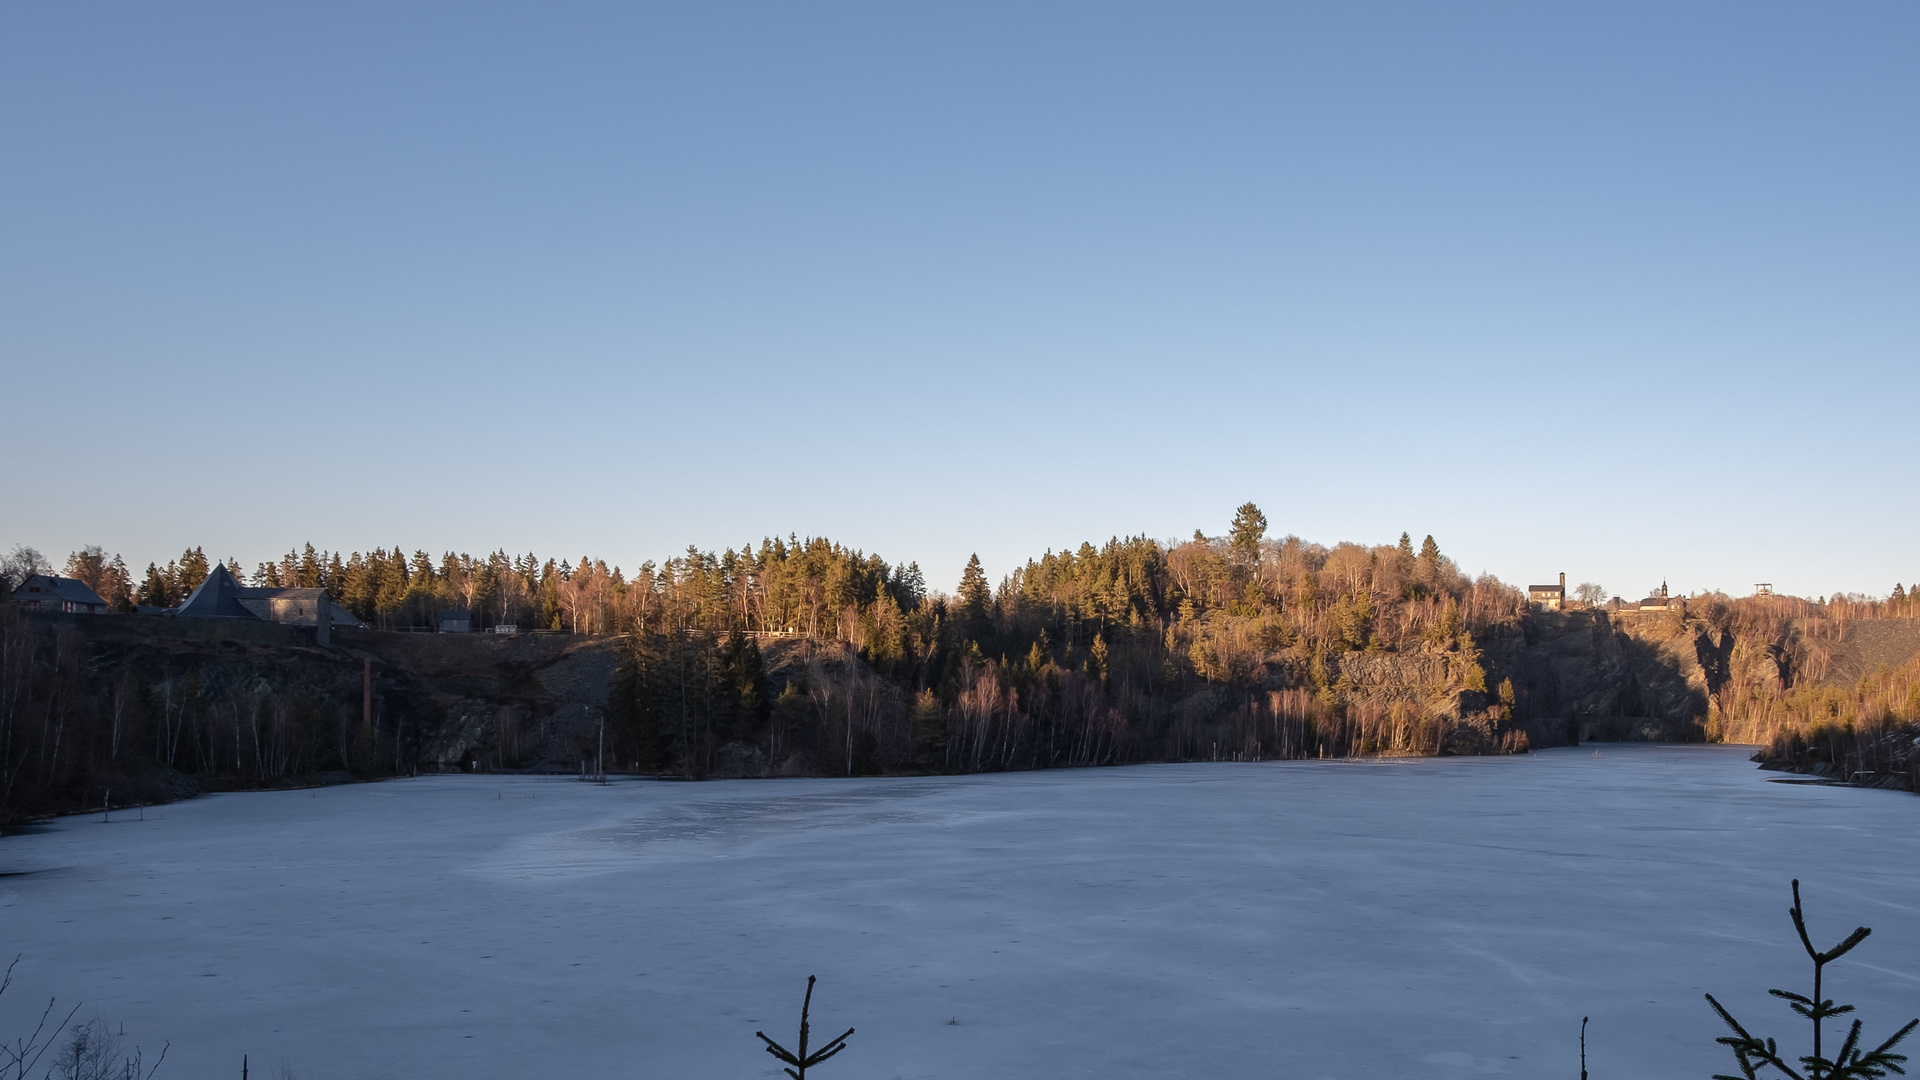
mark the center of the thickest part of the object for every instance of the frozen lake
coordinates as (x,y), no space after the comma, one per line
(1433,918)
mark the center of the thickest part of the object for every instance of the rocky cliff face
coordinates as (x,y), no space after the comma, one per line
(220,691)
(1607,676)
(1576,676)
(491,702)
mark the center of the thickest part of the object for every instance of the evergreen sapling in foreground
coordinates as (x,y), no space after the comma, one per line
(799,1063)
(1850,1063)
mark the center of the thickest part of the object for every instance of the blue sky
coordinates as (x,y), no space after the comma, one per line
(1625,291)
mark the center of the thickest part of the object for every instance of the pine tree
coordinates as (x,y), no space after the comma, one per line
(910,586)
(744,685)
(192,571)
(360,590)
(929,734)
(307,573)
(121,582)
(1428,564)
(1753,1053)
(390,583)
(638,701)
(1249,528)
(88,566)
(550,596)
(1467,664)
(486,594)
(799,1061)
(976,597)
(108,578)
(336,579)
(154,590)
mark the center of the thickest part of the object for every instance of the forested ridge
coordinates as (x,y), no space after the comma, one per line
(803,657)
(1213,648)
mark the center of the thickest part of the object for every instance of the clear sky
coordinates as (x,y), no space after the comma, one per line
(1629,291)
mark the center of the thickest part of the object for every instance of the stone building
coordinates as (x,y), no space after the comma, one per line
(1549,597)
(222,597)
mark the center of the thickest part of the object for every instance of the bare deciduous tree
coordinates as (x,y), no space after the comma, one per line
(20,564)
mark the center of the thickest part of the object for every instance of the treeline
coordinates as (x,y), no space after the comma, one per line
(798,585)
(1902,603)
(1868,732)
(804,656)
(84,718)
(1232,647)
(807,656)
(1766,659)
(162,587)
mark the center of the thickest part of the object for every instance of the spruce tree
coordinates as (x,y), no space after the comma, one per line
(390,583)
(550,596)
(153,591)
(308,570)
(638,700)
(800,1060)
(1097,669)
(122,584)
(1428,564)
(976,598)
(193,570)
(1753,1053)
(1249,528)
(88,566)
(910,585)
(744,687)
(336,579)
(360,587)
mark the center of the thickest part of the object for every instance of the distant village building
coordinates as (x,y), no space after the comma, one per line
(456,622)
(50,592)
(1658,601)
(1763,588)
(222,597)
(1549,597)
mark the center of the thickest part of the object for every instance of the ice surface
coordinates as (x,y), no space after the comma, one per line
(1433,918)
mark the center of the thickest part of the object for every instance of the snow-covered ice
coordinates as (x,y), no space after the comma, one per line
(1432,918)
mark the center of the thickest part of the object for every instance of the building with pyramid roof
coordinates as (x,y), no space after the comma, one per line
(221,596)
